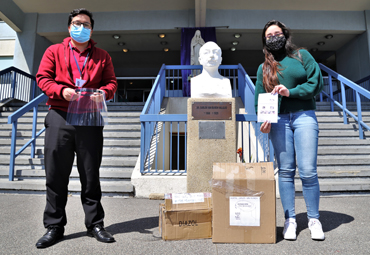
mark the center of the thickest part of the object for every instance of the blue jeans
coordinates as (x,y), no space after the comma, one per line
(295,141)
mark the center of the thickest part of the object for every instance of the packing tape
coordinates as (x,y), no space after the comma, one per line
(229,188)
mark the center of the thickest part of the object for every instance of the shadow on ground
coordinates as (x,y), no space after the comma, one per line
(143,225)
(329,220)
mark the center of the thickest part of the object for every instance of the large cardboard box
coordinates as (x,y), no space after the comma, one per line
(244,203)
(186,216)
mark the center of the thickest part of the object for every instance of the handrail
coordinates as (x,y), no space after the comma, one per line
(154,87)
(338,91)
(13,119)
(12,68)
(17,84)
(246,96)
(358,90)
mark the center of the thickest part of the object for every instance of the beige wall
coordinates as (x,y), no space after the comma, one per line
(7,48)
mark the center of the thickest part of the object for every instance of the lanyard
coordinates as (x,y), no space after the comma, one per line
(77,62)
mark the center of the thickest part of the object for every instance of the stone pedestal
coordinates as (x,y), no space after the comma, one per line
(211,138)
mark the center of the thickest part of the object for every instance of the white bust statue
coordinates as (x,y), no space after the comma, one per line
(210,84)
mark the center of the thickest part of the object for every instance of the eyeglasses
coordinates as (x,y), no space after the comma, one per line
(78,24)
(269,37)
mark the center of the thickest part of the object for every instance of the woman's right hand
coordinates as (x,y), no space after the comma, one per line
(281,90)
(265,127)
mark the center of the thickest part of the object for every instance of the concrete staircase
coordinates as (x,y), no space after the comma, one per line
(120,152)
(343,159)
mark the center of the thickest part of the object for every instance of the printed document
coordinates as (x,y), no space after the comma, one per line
(267,107)
(245,211)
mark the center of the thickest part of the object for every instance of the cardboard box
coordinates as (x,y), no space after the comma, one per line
(244,203)
(186,216)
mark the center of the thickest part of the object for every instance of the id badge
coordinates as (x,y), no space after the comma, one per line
(80,83)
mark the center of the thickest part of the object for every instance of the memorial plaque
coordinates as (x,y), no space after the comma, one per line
(211,111)
(211,129)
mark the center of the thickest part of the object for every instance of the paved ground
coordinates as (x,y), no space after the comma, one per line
(134,223)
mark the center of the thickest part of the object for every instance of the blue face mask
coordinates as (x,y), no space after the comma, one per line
(80,34)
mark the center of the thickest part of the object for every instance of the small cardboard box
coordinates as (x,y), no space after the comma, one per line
(186,216)
(244,203)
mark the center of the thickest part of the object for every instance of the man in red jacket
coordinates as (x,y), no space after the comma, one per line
(74,63)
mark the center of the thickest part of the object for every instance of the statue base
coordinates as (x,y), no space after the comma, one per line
(211,138)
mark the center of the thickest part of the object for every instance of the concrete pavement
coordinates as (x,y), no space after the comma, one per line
(134,224)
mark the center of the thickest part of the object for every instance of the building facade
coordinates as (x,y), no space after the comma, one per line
(337,33)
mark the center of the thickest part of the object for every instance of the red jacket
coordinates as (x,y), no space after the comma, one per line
(55,73)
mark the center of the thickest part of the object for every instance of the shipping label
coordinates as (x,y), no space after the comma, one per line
(245,211)
(184,198)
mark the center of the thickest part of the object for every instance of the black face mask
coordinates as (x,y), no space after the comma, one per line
(275,43)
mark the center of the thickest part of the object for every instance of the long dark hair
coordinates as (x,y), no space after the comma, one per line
(271,66)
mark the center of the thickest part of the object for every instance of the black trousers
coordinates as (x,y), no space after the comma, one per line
(62,142)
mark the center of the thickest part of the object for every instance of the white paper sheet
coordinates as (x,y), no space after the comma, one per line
(182,198)
(245,211)
(267,107)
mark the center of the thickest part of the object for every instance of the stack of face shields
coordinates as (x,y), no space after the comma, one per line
(87,108)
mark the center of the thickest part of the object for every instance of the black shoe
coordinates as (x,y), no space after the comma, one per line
(100,234)
(52,235)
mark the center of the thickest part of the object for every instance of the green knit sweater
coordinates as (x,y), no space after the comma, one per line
(303,80)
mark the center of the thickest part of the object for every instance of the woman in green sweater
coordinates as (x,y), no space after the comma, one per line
(296,77)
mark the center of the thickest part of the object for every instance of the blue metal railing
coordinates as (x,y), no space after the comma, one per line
(350,93)
(154,121)
(16,84)
(13,119)
(358,92)
(364,83)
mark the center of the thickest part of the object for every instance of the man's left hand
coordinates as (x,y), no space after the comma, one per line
(98,97)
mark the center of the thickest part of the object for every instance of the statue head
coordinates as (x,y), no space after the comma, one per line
(210,55)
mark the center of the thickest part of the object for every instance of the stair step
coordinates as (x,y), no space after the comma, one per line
(106,161)
(343,160)
(339,113)
(336,122)
(112,107)
(119,125)
(344,172)
(343,150)
(27,122)
(107,133)
(74,185)
(342,141)
(107,151)
(121,142)
(4,169)
(339,126)
(40,173)
(343,185)
(341,171)
(341,133)
(118,141)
